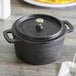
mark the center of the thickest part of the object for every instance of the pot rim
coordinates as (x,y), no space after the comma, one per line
(49,38)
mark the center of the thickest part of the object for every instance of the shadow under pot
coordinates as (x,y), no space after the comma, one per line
(38,38)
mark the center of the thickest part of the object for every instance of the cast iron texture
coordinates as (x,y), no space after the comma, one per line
(39,53)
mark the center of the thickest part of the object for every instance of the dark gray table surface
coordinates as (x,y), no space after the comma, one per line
(10,65)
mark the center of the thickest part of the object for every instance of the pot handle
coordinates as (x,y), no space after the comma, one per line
(5,33)
(70,26)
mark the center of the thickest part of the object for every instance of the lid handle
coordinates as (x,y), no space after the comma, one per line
(39,26)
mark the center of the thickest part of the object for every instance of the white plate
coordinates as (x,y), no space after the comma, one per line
(48,5)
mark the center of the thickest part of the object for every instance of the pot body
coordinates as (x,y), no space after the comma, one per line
(39,53)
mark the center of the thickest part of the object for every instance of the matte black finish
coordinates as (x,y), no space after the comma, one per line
(27,28)
(38,54)
(38,47)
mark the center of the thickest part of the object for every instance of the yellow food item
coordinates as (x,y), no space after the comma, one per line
(56,1)
(45,1)
(65,1)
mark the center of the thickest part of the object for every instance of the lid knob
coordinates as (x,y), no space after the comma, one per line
(39,26)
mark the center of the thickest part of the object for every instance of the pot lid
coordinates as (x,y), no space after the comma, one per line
(38,27)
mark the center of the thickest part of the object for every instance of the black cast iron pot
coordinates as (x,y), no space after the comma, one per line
(38,38)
